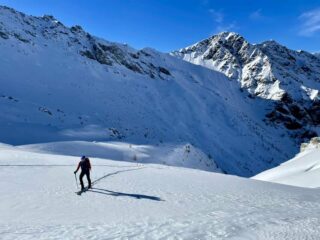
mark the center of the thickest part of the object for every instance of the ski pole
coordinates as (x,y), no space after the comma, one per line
(75,176)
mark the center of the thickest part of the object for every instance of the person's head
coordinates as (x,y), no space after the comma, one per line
(83,157)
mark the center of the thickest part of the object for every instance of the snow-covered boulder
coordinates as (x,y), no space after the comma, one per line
(313,144)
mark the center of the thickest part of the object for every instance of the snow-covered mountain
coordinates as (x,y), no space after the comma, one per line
(60,83)
(291,79)
(65,93)
(303,170)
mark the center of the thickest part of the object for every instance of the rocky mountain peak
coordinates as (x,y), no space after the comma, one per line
(269,71)
(229,36)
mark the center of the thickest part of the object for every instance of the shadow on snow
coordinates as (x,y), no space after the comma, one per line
(121,194)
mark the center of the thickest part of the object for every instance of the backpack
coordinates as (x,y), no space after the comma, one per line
(85,164)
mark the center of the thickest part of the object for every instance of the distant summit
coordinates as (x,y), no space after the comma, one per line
(291,79)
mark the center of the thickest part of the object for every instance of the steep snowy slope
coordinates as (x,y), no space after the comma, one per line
(303,170)
(145,202)
(60,83)
(267,70)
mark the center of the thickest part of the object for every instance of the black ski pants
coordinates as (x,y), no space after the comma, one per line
(87,173)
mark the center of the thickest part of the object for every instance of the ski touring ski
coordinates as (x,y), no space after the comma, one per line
(82,191)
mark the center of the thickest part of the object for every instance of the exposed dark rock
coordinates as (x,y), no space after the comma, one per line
(164,71)
(112,49)
(281,109)
(115,133)
(4,35)
(211,53)
(76,29)
(89,36)
(45,110)
(314,112)
(30,33)
(100,56)
(88,54)
(296,111)
(18,36)
(144,53)
(306,69)
(293,125)
(49,18)
(131,66)
(308,134)
(135,56)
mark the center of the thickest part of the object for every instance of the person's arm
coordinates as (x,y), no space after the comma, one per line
(89,164)
(77,168)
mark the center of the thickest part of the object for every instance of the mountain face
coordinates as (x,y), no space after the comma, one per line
(290,79)
(61,84)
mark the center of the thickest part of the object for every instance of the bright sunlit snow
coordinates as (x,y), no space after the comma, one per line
(303,170)
(144,201)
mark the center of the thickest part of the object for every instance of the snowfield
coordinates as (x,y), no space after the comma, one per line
(143,201)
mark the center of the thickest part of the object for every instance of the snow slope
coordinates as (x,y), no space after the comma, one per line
(144,201)
(303,170)
(184,155)
(61,84)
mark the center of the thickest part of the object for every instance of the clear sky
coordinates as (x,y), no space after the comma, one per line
(172,24)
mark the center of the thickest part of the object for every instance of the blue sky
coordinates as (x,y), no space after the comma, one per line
(172,24)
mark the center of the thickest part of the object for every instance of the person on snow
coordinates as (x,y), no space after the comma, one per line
(85,166)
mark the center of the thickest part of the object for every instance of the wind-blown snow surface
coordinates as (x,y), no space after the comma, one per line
(60,83)
(303,170)
(145,201)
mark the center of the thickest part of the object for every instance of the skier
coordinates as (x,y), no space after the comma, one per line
(85,170)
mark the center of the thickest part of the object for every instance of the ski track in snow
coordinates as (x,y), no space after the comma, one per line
(146,201)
